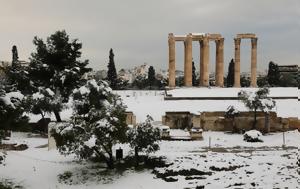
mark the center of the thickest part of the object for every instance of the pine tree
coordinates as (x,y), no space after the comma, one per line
(17,75)
(56,65)
(112,73)
(15,57)
(194,80)
(230,76)
(151,76)
(273,74)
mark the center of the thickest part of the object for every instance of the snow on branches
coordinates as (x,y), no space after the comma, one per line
(98,122)
(144,137)
(11,109)
(258,100)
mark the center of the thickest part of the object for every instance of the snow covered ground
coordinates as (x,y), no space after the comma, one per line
(142,102)
(230,160)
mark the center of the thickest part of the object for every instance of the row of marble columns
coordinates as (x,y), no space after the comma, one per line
(237,62)
(204,60)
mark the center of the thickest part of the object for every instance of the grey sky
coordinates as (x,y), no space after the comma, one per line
(137,30)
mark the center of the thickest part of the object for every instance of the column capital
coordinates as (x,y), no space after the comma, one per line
(171,38)
(254,42)
(219,41)
(237,41)
(188,37)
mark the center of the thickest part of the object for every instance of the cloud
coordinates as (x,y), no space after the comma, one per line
(137,30)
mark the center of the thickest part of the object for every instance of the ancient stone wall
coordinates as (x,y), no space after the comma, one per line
(215,121)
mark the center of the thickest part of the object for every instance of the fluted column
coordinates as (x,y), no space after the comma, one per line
(237,54)
(205,61)
(201,64)
(188,61)
(253,61)
(171,42)
(219,62)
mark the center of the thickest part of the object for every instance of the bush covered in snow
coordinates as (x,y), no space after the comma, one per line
(257,101)
(11,110)
(252,136)
(98,122)
(144,137)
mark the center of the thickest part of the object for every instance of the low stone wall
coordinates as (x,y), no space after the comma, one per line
(178,120)
(294,123)
(215,121)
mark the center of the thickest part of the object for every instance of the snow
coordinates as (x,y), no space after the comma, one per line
(50,92)
(201,34)
(271,165)
(83,90)
(12,95)
(254,134)
(142,103)
(230,92)
(37,96)
(91,142)
(16,95)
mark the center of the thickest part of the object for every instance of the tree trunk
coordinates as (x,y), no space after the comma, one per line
(267,122)
(57,116)
(254,123)
(136,154)
(110,162)
(234,128)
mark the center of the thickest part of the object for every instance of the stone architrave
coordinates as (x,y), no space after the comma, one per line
(253,61)
(237,51)
(219,62)
(171,42)
(188,61)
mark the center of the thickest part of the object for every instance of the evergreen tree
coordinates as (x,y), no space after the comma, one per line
(112,73)
(273,74)
(98,123)
(194,80)
(230,76)
(15,57)
(288,80)
(55,65)
(140,82)
(151,76)
(17,75)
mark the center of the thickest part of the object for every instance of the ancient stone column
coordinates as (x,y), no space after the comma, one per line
(171,42)
(201,64)
(253,61)
(237,54)
(219,62)
(205,61)
(188,61)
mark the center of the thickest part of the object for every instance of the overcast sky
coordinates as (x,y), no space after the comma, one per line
(137,30)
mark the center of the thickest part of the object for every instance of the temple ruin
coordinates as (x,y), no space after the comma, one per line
(204,39)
